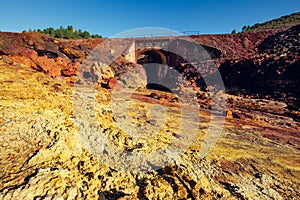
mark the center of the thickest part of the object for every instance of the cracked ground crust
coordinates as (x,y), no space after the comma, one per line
(42,157)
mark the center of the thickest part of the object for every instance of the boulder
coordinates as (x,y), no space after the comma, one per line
(73,53)
(134,78)
(113,83)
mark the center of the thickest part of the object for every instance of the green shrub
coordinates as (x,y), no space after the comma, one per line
(68,33)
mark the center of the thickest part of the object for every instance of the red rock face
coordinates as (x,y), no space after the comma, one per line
(272,72)
(235,46)
(56,57)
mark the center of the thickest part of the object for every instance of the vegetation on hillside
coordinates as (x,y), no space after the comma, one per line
(283,22)
(68,33)
(279,23)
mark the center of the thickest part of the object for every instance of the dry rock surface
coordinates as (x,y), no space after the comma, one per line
(44,155)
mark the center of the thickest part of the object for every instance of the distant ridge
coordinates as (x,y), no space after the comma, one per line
(281,23)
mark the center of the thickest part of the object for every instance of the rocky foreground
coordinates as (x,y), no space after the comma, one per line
(46,153)
(43,156)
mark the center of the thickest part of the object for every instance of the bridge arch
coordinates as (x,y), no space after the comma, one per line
(165,66)
(159,67)
(151,55)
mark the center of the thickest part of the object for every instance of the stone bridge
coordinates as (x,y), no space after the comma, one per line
(165,59)
(169,51)
(161,57)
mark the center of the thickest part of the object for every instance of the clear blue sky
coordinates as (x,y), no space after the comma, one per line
(110,17)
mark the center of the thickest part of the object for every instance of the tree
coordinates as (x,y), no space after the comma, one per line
(68,32)
(233,31)
(59,33)
(70,28)
(246,28)
(80,33)
(50,31)
(86,34)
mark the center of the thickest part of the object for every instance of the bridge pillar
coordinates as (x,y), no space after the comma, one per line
(130,53)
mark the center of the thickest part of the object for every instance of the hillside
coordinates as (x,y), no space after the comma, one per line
(281,23)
